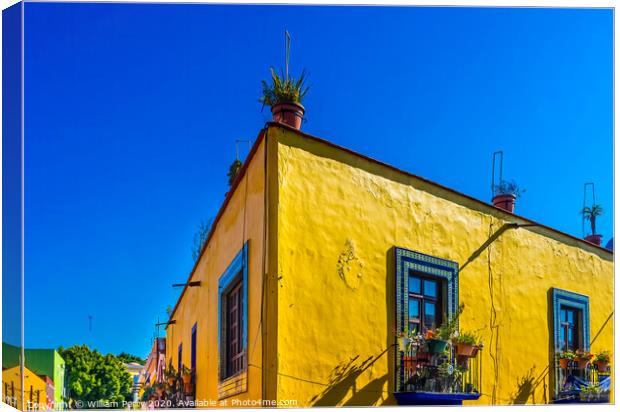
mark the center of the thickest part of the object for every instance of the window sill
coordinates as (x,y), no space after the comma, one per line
(233,385)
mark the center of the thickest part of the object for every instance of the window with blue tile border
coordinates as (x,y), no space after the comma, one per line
(408,262)
(563,298)
(236,271)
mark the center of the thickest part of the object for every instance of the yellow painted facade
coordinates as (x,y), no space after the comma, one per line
(35,387)
(333,220)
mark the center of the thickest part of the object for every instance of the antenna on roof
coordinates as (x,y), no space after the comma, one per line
(583,216)
(237,145)
(499,153)
(287,50)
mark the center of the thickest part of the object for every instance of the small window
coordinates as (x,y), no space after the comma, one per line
(425,302)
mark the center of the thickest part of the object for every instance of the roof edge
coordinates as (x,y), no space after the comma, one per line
(484,205)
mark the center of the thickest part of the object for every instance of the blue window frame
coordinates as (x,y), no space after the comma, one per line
(235,273)
(423,279)
(180,358)
(193,355)
(571,320)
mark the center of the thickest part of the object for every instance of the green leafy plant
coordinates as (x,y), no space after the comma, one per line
(466,338)
(567,355)
(508,188)
(603,356)
(448,329)
(233,171)
(284,89)
(591,214)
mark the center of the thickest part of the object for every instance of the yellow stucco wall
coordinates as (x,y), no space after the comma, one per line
(32,382)
(338,218)
(241,221)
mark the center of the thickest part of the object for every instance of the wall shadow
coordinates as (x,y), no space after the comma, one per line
(343,378)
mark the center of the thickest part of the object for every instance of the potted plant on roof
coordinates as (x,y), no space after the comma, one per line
(284,95)
(591,214)
(602,361)
(565,357)
(506,194)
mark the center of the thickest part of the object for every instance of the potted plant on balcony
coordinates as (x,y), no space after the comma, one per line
(590,393)
(506,194)
(583,358)
(186,374)
(284,95)
(437,340)
(170,374)
(565,357)
(591,214)
(602,361)
(465,344)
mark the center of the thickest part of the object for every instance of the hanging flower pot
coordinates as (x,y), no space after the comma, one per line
(564,363)
(187,378)
(436,345)
(602,366)
(464,349)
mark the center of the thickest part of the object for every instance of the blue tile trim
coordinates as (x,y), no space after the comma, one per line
(574,300)
(238,267)
(407,261)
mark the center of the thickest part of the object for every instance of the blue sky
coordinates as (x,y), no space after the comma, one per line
(132,112)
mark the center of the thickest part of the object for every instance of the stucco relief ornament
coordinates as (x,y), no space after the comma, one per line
(349,266)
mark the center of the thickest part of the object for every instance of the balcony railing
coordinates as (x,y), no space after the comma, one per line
(575,382)
(445,378)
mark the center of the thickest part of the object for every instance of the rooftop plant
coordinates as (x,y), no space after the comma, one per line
(591,214)
(284,89)
(508,188)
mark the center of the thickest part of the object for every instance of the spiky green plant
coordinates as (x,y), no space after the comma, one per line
(591,214)
(284,89)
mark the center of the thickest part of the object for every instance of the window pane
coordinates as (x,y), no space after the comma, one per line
(563,315)
(414,308)
(414,285)
(429,314)
(571,318)
(562,337)
(430,288)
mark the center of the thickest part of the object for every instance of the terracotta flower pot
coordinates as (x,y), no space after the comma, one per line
(582,363)
(187,378)
(170,380)
(564,363)
(288,113)
(596,239)
(602,366)
(463,349)
(505,201)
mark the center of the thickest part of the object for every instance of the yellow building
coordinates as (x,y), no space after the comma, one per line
(320,257)
(38,390)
